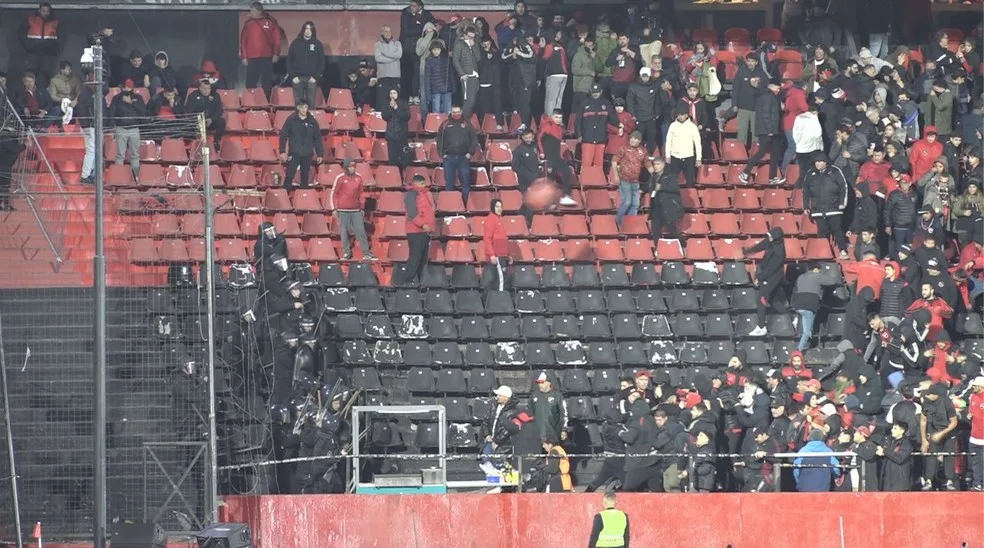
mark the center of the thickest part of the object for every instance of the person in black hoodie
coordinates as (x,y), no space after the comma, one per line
(642,470)
(489,97)
(939,52)
(613,467)
(665,203)
(165,107)
(825,194)
(10,148)
(397,116)
(526,165)
(868,394)
(768,275)
(768,128)
(303,135)
(163,76)
(362,84)
(865,210)
(204,100)
(412,21)
(306,63)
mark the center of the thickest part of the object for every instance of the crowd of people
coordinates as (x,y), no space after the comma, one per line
(887,150)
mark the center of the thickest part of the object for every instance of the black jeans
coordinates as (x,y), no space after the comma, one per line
(769,294)
(488,101)
(612,469)
(419,244)
(687,166)
(772,145)
(259,71)
(560,171)
(293,163)
(648,477)
(218,127)
(398,152)
(832,226)
(522,102)
(650,133)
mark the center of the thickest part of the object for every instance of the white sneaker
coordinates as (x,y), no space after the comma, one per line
(567,201)
(743,177)
(494,491)
(759,331)
(778,180)
(843,255)
(796,322)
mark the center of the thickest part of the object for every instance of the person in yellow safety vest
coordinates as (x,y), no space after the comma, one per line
(611,526)
(557,466)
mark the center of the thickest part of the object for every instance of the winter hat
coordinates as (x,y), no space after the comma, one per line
(865,53)
(864,431)
(635,135)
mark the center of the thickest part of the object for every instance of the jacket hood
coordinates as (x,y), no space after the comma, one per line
(639,409)
(930,129)
(438,43)
(209,66)
(262,227)
(867,371)
(864,189)
(166,58)
(314,30)
(776,234)
(794,354)
(945,162)
(901,163)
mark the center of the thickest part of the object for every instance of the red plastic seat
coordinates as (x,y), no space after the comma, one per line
(434,121)
(792,173)
(512,200)
(283,97)
(515,226)
(262,151)
(234,121)
(710,174)
(792,71)
(255,98)
(669,250)
(307,200)
(573,225)
(747,199)
(241,177)
(143,250)
(280,118)
(459,251)
(548,250)
(196,249)
(350,150)
(796,199)
(177,176)
(754,223)
(173,151)
(314,224)
(479,202)
(727,249)
(232,151)
(789,56)
(340,99)
(598,200)
(775,199)
(328,173)
(593,176)
(694,224)
(699,249)
(725,224)
(794,249)
(787,222)
(504,177)
(708,36)
(277,200)
(390,201)
(456,227)
(545,226)
(639,249)
(412,172)
(229,99)
(182,201)
(635,225)
(165,225)
(397,251)
(733,150)
(193,224)
(214,173)
(226,224)
(808,227)
(257,120)
(604,225)
(818,249)
(449,201)
(579,250)
(286,224)
(520,251)
(769,35)
(499,152)
(345,120)
(173,251)
(394,227)
(690,198)
(609,250)
(151,175)
(119,176)
(715,198)
(388,177)
(296,250)
(250,225)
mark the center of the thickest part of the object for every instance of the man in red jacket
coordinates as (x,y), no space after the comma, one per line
(975,412)
(495,242)
(939,309)
(346,200)
(420,223)
(259,47)
(924,153)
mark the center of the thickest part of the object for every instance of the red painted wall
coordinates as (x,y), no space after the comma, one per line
(354,32)
(872,520)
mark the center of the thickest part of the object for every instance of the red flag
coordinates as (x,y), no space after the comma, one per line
(37,530)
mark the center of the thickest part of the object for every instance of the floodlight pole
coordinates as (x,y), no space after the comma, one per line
(213,475)
(99,337)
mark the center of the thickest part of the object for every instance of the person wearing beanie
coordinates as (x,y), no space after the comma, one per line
(900,213)
(300,145)
(618,135)
(642,99)
(768,123)
(346,199)
(628,163)
(825,196)
(683,147)
(496,435)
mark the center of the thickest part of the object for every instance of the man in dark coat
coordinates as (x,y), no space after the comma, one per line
(665,204)
(825,194)
(849,150)
(526,166)
(768,275)
(896,472)
(205,101)
(268,243)
(613,468)
(755,470)
(397,116)
(591,123)
(642,470)
(549,408)
(768,130)
(495,426)
(302,135)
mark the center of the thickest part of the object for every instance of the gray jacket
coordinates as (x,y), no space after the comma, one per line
(465,58)
(388,56)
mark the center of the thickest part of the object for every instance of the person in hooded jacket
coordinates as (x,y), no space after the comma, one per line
(896,470)
(938,421)
(613,468)
(825,195)
(866,214)
(665,202)
(488,100)
(163,76)
(396,113)
(495,243)
(520,63)
(768,124)
(807,295)
(205,101)
(753,405)
(306,63)
(924,152)
(938,189)
(420,222)
(815,477)
(591,123)
(768,276)
(642,470)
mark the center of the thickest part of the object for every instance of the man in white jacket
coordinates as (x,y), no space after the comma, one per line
(683,147)
(808,138)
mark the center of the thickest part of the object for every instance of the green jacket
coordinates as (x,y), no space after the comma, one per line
(940,112)
(605,46)
(584,69)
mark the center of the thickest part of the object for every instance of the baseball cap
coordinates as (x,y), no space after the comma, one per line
(503,391)
(978,381)
(645,71)
(837,93)
(128,83)
(595,88)
(642,373)
(542,378)
(363,64)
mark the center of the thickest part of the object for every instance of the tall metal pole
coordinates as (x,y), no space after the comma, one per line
(10,444)
(99,280)
(213,477)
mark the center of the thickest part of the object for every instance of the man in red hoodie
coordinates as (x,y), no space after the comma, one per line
(794,105)
(549,140)
(420,223)
(975,412)
(259,47)
(495,242)
(346,200)
(924,153)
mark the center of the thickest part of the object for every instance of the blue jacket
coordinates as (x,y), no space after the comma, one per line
(815,479)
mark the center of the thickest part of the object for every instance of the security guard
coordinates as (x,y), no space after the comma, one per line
(611,526)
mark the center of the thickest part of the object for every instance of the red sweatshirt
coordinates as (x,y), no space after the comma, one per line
(938,309)
(923,154)
(937,367)
(346,194)
(260,38)
(869,274)
(554,133)
(872,172)
(616,141)
(971,253)
(795,105)
(425,214)
(975,411)
(495,241)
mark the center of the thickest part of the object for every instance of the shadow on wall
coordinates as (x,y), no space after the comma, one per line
(187,36)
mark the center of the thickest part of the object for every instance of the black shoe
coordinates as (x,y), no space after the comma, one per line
(88,181)
(215,145)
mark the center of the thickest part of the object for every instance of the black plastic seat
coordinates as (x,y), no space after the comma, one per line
(540,354)
(644,274)
(379,326)
(451,381)
(601,354)
(478,354)
(559,301)
(719,324)
(631,353)
(744,298)
(407,301)
(596,326)
(439,301)
(481,381)
(413,326)
(480,408)
(575,381)
(529,301)
(534,327)
(684,300)
(387,352)
(969,323)
(744,324)
(650,301)
(674,273)
(365,378)
(462,436)
(456,409)
(369,299)
(349,326)
(463,276)
(693,352)
(580,408)
(620,300)
(656,326)
(585,276)
(356,353)
(510,353)
(614,275)
(570,353)
(662,352)
(524,276)
(339,300)
(781,325)
(504,328)
(605,381)
(499,302)
(427,435)
(688,324)
(706,274)
(591,300)
(735,273)
(434,277)
(565,327)
(362,275)
(755,352)
(417,353)
(720,352)
(834,326)
(626,326)
(331,275)
(474,328)
(447,354)
(781,351)
(442,327)
(555,275)
(468,301)
(715,299)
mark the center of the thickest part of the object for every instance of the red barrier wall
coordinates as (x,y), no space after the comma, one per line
(872,520)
